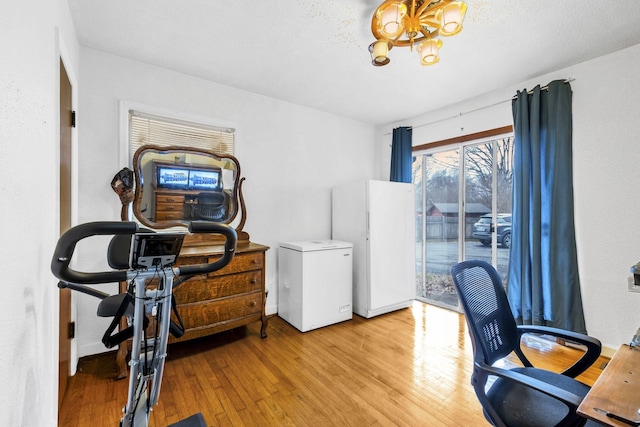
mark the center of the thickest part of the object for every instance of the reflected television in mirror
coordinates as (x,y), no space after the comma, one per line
(171,177)
(205,179)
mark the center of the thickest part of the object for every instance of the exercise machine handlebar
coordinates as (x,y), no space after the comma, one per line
(67,243)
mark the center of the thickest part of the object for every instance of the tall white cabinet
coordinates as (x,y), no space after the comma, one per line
(378,217)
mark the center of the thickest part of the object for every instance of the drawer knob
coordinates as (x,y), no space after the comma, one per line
(253,303)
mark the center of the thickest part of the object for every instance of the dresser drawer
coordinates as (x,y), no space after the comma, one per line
(195,315)
(165,198)
(169,207)
(202,289)
(192,260)
(241,262)
(169,215)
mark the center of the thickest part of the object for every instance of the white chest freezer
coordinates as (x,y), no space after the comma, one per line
(315,283)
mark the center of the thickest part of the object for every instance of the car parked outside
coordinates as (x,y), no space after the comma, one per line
(482,230)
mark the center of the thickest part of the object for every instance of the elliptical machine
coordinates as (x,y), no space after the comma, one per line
(145,260)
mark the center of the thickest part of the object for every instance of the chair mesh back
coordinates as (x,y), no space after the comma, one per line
(484,301)
(211,206)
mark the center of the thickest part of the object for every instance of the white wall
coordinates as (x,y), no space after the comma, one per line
(606,104)
(33,35)
(291,156)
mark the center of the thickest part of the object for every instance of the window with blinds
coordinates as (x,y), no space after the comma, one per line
(147,129)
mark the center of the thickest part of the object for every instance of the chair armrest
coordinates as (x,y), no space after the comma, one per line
(593,346)
(566,397)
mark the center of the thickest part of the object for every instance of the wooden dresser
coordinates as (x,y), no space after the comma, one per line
(225,299)
(169,205)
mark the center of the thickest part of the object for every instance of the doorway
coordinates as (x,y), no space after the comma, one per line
(463,211)
(66,124)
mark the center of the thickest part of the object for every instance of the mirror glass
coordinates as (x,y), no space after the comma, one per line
(177,185)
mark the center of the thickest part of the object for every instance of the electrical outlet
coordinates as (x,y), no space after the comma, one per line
(631,285)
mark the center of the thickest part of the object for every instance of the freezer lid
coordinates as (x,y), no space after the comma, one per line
(316,245)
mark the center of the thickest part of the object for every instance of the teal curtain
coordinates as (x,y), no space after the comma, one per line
(401,155)
(543,282)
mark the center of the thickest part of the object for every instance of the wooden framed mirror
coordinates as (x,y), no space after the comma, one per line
(176,185)
(170,185)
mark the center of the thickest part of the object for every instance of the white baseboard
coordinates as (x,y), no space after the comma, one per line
(608,351)
(90,349)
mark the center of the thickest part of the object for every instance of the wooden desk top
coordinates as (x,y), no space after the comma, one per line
(617,389)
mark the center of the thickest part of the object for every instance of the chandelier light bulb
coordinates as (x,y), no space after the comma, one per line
(429,50)
(450,17)
(380,52)
(391,19)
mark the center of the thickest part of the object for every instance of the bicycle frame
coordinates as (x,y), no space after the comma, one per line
(148,355)
(149,300)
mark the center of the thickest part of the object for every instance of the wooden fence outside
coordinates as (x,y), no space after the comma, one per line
(443,228)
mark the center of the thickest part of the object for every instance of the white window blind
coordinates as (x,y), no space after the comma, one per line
(163,131)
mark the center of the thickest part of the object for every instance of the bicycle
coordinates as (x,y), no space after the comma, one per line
(145,260)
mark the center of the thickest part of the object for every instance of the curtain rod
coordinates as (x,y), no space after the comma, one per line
(546,87)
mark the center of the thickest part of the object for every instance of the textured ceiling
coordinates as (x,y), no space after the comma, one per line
(314,53)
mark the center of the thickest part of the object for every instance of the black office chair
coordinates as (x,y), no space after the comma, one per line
(211,206)
(521,396)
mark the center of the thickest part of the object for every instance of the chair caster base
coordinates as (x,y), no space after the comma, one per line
(196,420)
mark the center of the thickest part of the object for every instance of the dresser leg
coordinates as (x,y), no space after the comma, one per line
(263,329)
(264,319)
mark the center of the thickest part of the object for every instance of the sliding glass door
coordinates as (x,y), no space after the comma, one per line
(463,201)
(437,180)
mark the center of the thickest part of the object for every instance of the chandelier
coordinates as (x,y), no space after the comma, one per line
(414,23)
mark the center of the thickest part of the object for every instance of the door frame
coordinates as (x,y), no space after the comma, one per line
(64,60)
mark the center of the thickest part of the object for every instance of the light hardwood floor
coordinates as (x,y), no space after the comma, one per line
(407,368)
